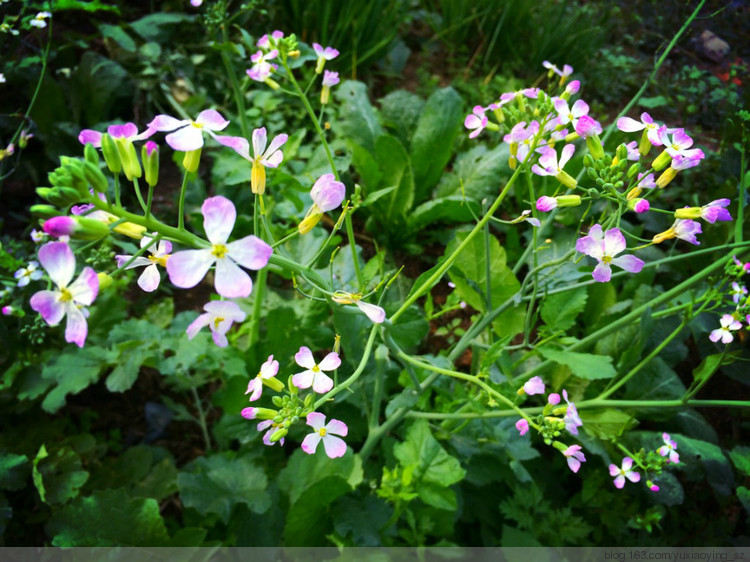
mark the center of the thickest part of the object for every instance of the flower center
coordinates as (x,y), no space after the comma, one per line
(159,260)
(65,295)
(219,250)
(315,369)
(607,259)
(322,431)
(196,125)
(218,320)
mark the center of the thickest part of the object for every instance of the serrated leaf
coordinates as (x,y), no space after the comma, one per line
(303,471)
(583,365)
(58,475)
(405,399)
(607,424)
(72,372)
(741,458)
(559,311)
(358,118)
(108,518)
(215,484)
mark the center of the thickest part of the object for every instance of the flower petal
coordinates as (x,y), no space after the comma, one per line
(373,312)
(334,446)
(219,216)
(85,288)
(149,279)
(322,383)
(238,144)
(304,358)
(58,260)
(303,379)
(310,443)
(337,427)
(602,272)
(48,305)
(614,242)
(196,325)
(186,139)
(187,268)
(277,142)
(330,362)
(588,245)
(231,281)
(259,142)
(250,252)
(630,264)
(76,329)
(89,136)
(316,420)
(212,120)
(167,123)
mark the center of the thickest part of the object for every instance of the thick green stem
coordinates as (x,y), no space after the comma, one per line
(259,291)
(181,205)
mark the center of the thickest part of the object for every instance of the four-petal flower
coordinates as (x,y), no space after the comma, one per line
(334,446)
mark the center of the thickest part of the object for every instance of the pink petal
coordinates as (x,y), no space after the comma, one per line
(187,268)
(259,141)
(316,420)
(579,109)
(574,464)
(588,245)
(89,136)
(231,281)
(322,383)
(304,358)
(58,260)
(567,153)
(633,476)
(327,193)
(238,144)
(126,131)
(303,379)
(225,309)
(249,413)
(140,261)
(219,216)
(197,324)
(627,463)
(330,362)
(273,160)
(48,305)
(85,288)
(614,470)
(76,329)
(219,338)
(254,389)
(630,264)
(250,252)
(277,142)
(186,139)
(167,123)
(212,120)
(614,242)
(149,279)
(619,481)
(629,125)
(337,427)
(334,446)
(602,272)
(373,312)
(310,443)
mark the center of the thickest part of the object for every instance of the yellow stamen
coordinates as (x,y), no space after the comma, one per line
(65,295)
(322,431)
(219,250)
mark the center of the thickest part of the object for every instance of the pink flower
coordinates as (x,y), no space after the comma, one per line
(272,427)
(330,78)
(262,69)
(678,144)
(267,42)
(626,471)
(575,457)
(522,426)
(646,181)
(127,132)
(668,449)
(715,211)
(728,324)
(375,313)
(187,268)
(588,127)
(641,205)
(188,134)
(553,398)
(314,374)
(268,370)
(534,385)
(327,194)
(27,274)
(630,125)
(604,248)
(633,153)
(150,278)
(686,229)
(546,203)
(69,298)
(570,115)
(219,316)
(476,121)
(262,158)
(564,73)
(334,446)
(738,291)
(548,162)
(571,419)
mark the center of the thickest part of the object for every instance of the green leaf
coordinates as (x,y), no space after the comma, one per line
(405,399)
(92,6)
(14,470)
(743,494)
(400,111)
(652,102)
(59,475)
(396,171)
(309,519)
(432,464)
(741,458)
(119,36)
(230,169)
(607,424)
(36,475)
(145,471)
(432,143)
(160,26)
(445,209)
(215,484)
(707,367)
(559,311)
(304,470)
(583,365)
(656,381)
(718,471)
(72,372)
(410,329)
(362,518)
(359,123)
(132,356)
(109,518)
(477,173)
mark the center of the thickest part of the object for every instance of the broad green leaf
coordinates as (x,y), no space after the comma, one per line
(132,356)
(652,102)
(96,84)
(405,399)
(601,296)
(230,168)
(145,471)
(477,173)
(584,365)
(445,209)
(119,36)
(400,111)
(396,171)
(304,470)
(671,491)
(362,518)
(108,518)
(743,494)
(91,6)
(410,329)
(741,458)
(309,519)
(607,424)
(707,367)
(58,475)
(656,381)
(14,470)
(215,484)
(73,371)
(160,26)
(433,465)
(432,143)
(559,311)
(718,471)
(359,122)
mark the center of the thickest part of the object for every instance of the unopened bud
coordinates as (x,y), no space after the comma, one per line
(661,161)
(79,228)
(191,160)
(111,154)
(105,280)
(688,213)
(278,434)
(150,157)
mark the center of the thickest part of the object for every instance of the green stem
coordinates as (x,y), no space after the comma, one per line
(201,418)
(149,201)
(181,205)
(259,289)
(377,394)
(117,191)
(353,246)
(138,195)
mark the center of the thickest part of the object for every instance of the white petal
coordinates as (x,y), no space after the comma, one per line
(304,358)
(231,281)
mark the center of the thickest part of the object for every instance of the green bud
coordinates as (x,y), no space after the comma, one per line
(308,400)
(295,419)
(619,184)
(622,152)
(129,158)
(278,419)
(592,173)
(290,385)
(150,158)
(607,160)
(594,193)
(588,161)
(608,186)
(44,211)
(633,170)
(600,182)
(45,192)
(192,160)
(111,155)
(277,401)
(278,434)
(95,177)
(91,155)
(69,195)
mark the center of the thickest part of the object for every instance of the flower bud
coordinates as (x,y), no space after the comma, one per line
(150,157)
(633,170)
(273,383)
(667,176)
(661,161)
(622,152)
(111,155)
(44,211)
(638,205)
(277,401)
(90,154)
(278,434)
(309,222)
(105,280)
(688,213)
(258,178)
(192,160)
(645,145)
(79,228)
(129,158)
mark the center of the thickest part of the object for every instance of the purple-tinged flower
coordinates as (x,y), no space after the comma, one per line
(574,456)
(738,291)
(546,203)
(69,299)
(375,313)
(314,374)
(646,181)
(40,20)
(572,88)
(334,446)
(187,134)
(563,74)
(715,211)
(327,194)
(187,268)
(678,144)
(633,153)
(534,385)
(679,163)
(550,166)
(149,280)
(526,216)
(27,274)
(262,158)
(24,139)
(8,310)
(640,205)
(522,426)
(649,127)
(330,78)
(553,399)
(651,486)
(273,428)
(262,69)
(587,127)
(626,471)
(196,3)
(508,97)
(603,248)
(570,115)
(571,419)
(324,54)
(476,121)
(669,449)
(219,316)
(126,132)
(684,229)
(268,370)
(37,236)
(743,266)
(267,42)
(728,325)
